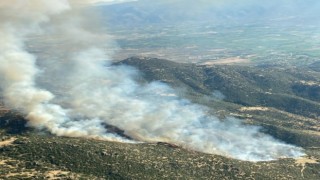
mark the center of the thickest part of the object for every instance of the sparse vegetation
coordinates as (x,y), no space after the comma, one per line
(257,96)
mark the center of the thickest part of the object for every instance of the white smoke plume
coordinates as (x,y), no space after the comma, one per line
(71,88)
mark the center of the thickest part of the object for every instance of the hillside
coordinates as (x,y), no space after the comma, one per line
(285,102)
(295,90)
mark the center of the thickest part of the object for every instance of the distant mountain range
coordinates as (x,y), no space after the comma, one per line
(144,12)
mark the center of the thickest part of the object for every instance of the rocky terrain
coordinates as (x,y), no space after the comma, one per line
(285,102)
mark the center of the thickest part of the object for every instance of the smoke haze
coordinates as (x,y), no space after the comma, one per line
(72,89)
(214,11)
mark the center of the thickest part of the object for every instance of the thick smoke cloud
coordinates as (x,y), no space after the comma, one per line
(71,88)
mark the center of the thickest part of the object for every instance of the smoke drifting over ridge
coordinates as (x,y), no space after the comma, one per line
(96,93)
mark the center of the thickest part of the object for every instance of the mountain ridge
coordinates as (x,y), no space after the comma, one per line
(37,155)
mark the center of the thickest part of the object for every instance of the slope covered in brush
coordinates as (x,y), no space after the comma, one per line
(292,90)
(28,153)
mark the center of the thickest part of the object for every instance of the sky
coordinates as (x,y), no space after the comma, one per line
(109,2)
